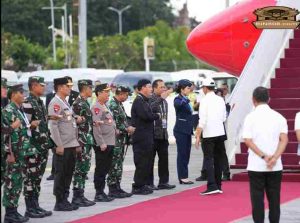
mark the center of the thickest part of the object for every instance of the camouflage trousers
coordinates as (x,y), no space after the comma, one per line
(3,165)
(13,182)
(36,165)
(116,169)
(82,167)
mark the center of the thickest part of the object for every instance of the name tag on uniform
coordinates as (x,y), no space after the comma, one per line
(164,123)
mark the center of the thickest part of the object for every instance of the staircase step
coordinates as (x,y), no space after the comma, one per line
(287,72)
(292,53)
(285,83)
(285,167)
(289,62)
(284,93)
(285,103)
(290,148)
(288,113)
(286,177)
(287,158)
(294,43)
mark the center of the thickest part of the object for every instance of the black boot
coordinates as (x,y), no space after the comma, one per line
(66,201)
(12,216)
(80,200)
(115,193)
(122,191)
(31,212)
(61,205)
(102,197)
(37,207)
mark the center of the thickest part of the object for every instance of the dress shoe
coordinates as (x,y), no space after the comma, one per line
(165,186)
(201,178)
(185,182)
(226,178)
(102,197)
(51,177)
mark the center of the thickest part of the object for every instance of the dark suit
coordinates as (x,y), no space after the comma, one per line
(142,139)
(183,131)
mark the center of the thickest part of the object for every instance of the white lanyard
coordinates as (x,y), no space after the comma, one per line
(66,103)
(24,117)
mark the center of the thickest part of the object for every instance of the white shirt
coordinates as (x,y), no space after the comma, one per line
(297,121)
(264,127)
(227,97)
(212,115)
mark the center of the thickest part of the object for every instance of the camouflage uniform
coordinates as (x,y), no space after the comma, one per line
(36,110)
(115,173)
(86,140)
(21,149)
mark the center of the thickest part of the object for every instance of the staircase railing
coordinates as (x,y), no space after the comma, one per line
(258,71)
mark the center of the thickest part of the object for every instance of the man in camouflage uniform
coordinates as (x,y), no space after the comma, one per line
(85,138)
(19,149)
(116,170)
(36,113)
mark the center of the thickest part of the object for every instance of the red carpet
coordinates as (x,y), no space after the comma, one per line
(188,206)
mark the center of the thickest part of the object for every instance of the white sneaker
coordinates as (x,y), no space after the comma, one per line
(220,192)
(209,191)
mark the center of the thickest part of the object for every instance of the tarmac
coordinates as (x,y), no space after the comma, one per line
(290,212)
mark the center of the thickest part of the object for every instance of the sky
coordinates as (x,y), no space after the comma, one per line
(202,9)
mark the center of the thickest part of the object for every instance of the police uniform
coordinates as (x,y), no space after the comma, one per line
(116,170)
(35,109)
(142,141)
(105,134)
(183,131)
(85,138)
(63,128)
(19,147)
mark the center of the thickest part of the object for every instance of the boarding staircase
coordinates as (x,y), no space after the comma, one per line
(285,98)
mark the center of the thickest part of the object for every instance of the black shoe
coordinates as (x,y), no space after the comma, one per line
(210,191)
(142,190)
(37,207)
(82,202)
(102,197)
(31,210)
(226,178)
(186,182)
(51,177)
(12,216)
(74,206)
(63,206)
(152,187)
(125,193)
(116,194)
(165,186)
(201,178)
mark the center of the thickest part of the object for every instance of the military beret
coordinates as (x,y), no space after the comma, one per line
(38,79)
(14,88)
(85,82)
(141,83)
(3,82)
(102,87)
(60,81)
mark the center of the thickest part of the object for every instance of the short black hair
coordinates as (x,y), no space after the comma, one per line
(81,87)
(155,83)
(211,88)
(143,82)
(261,94)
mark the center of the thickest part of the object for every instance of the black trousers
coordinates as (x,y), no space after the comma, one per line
(161,148)
(269,182)
(184,144)
(103,164)
(142,156)
(64,168)
(53,166)
(213,150)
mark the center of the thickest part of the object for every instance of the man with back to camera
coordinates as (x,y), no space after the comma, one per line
(265,134)
(211,126)
(63,128)
(159,104)
(142,139)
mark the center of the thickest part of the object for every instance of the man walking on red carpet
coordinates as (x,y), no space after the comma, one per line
(265,134)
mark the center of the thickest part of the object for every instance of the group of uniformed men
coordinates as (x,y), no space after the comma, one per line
(28,131)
